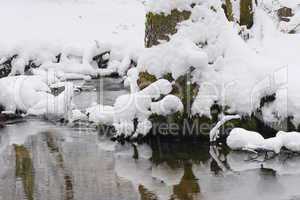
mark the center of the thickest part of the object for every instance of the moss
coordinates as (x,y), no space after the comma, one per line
(186,91)
(160,26)
(246,13)
(145,79)
(24,170)
(168,77)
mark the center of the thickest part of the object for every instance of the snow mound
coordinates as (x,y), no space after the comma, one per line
(241,139)
(32,95)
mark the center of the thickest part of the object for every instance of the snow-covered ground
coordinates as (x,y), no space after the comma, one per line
(71,22)
(230,70)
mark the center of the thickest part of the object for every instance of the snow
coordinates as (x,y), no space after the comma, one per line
(72,23)
(43,29)
(229,70)
(137,106)
(290,140)
(100,114)
(166,6)
(241,139)
(77,115)
(168,105)
(32,95)
(59,106)
(69,67)
(131,80)
(175,57)
(22,92)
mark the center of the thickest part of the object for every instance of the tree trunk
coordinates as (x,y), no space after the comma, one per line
(246,12)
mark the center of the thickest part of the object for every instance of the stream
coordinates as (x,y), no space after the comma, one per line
(43,160)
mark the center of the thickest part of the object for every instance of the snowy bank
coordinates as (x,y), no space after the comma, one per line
(66,42)
(32,95)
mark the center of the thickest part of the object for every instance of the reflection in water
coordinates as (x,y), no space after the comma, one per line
(24,170)
(175,153)
(219,162)
(146,194)
(54,150)
(62,163)
(66,164)
(188,187)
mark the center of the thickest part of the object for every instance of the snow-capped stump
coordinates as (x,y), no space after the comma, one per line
(160,26)
(285,13)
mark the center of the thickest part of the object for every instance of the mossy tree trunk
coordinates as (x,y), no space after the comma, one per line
(246,12)
(161,26)
(228,10)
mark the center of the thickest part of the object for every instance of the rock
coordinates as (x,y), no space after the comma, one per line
(284,14)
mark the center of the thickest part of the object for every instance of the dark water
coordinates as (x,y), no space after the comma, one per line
(41,160)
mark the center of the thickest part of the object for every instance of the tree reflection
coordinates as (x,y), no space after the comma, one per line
(146,194)
(219,161)
(188,187)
